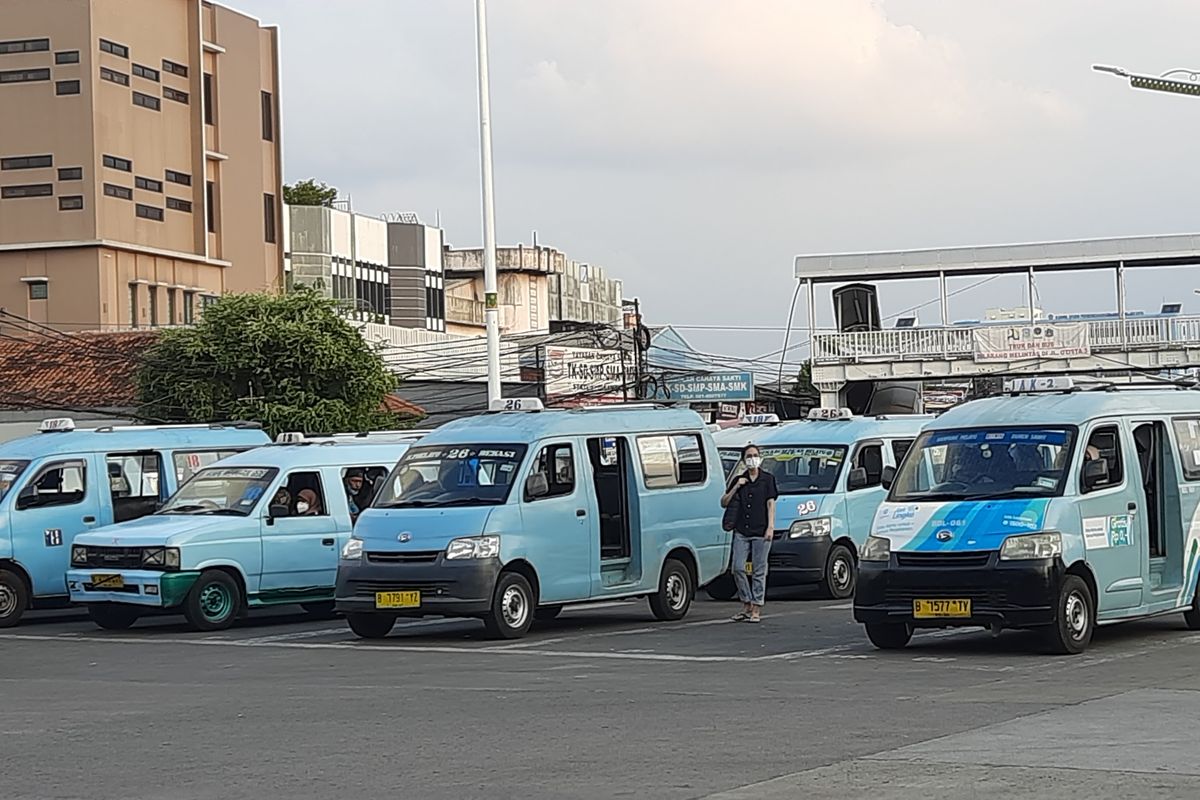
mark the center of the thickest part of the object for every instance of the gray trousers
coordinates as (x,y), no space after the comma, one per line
(752,589)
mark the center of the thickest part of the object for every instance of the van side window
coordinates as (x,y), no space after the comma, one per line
(305,495)
(899,448)
(1187,439)
(62,483)
(188,464)
(1104,445)
(359,483)
(672,460)
(133,482)
(557,463)
(869,457)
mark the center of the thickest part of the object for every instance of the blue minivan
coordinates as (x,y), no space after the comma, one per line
(260,528)
(61,482)
(511,515)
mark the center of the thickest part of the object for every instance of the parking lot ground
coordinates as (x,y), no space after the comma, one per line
(603,702)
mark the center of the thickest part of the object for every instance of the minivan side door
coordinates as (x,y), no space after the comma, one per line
(299,550)
(58,500)
(560,526)
(862,501)
(1113,535)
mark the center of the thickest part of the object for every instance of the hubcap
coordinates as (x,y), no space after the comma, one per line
(676,591)
(8,600)
(842,573)
(215,601)
(514,607)
(1076,614)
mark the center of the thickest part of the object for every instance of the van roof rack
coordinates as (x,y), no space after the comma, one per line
(178,426)
(638,405)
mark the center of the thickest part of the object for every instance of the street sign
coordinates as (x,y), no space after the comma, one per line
(584,376)
(711,388)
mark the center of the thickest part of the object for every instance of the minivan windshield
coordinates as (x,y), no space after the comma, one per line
(730,456)
(228,491)
(984,463)
(452,475)
(9,472)
(804,469)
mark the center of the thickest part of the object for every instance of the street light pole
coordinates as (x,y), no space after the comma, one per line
(491,312)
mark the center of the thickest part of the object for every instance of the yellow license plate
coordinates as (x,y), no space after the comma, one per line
(935,609)
(749,567)
(108,582)
(397,599)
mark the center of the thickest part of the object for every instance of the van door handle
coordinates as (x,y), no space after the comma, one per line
(89,520)
(1132,507)
(327,542)
(579,512)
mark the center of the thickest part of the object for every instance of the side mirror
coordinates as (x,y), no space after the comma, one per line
(857,479)
(888,477)
(1095,473)
(28,497)
(537,485)
(277,511)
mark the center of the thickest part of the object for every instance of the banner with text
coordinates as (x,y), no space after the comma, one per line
(1022,342)
(711,388)
(583,376)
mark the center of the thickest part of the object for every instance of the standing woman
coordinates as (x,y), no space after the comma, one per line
(754,495)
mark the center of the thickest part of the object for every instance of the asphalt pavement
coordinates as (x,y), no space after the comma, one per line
(602,703)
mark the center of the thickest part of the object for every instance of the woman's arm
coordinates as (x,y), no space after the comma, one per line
(770,519)
(727,498)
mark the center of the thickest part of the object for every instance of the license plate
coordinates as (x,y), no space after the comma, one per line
(934,609)
(108,582)
(397,599)
(749,567)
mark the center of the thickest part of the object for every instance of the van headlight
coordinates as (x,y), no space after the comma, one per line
(353,550)
(474,547)
(820,526)
(78,555)
(160,557)
(1028,547)
(876,548)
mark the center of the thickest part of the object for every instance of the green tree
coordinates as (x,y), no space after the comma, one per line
(804,385)
(309,193)
(288,361)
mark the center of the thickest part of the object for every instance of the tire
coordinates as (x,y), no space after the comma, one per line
(889,635)
(723,588)
(1075,618)
(322,610)
(1192,615)
(676,589)
(371,626)
(214,601)
(841,572)
(513,604)
(14,598)
(113,616)
(547,613)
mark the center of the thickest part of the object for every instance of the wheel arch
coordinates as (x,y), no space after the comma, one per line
(1083,571)
(526,570)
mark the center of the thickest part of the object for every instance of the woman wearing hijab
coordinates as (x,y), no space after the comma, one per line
(307,504)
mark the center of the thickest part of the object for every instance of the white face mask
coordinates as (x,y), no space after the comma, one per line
(754,462)
(302,507)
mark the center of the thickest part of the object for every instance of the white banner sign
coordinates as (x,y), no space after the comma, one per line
(581,376)
(1022,342)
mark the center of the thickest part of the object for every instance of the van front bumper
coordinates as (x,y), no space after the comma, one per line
(140,587)
(797,562)
(1010,594)
(457,588)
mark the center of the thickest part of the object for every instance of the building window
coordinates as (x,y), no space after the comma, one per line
(175,69)
(119,50)
(269,218)
(39,290)
(70,174)
(268,117)
(149,184)
(174,94)
(115,162)
(72,202)
(150,212)
(170,306)
(182,178)
(175,204)
(28,190)
(24,46)
(208,99)
(133,305)
(210,206)
(146,101)
(112,75)
(66,87)
(145,72)
(24,75)
(153,292)
(26,162)
(189,307)
(119,192)
(67,57)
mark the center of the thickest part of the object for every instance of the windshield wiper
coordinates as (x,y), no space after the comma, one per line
(219,512)
(186,508)
(406,504)
(467,501)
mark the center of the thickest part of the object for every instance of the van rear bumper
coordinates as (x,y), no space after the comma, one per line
(448,588)
(148,588)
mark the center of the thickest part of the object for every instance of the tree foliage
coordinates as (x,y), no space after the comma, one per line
(309,193)
(288,361)
(804,385)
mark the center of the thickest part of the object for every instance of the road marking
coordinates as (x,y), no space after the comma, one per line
(840,607)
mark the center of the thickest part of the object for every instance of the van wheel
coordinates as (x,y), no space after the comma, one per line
(1191,616)
(840,572)
(547,613)
(323,610)
(371,626)
(723,588)
(675,591)
(213,602)
(113,616)
(1075,621)
(14,598)
(889,635)
(512,608)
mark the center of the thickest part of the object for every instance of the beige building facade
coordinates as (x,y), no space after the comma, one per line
(140,160)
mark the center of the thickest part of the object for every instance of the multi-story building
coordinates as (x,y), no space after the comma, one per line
(139,160)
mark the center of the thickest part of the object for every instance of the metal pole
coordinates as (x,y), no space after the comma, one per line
(491,313)
(787,335)
(1121,299)
(812,322)
(1032,319)
(945,314)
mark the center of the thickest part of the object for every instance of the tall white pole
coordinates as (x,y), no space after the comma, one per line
(491,313)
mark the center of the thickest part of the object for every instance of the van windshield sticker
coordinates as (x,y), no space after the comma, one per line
(829,454)
(1015,436)
(228,473)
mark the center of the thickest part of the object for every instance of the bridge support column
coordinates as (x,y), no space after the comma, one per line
(831,393)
